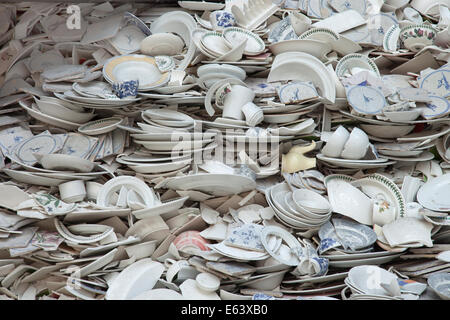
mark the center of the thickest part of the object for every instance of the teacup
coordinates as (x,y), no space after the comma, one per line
(410,186)
(235,100)
(92,189)
(221,19)
(125,89)
(336,142)
(416,37)
(413,210)
(72,191)
(383,211)
(283,30)
(356,146)
(253,114)
(299,22)
(412,15)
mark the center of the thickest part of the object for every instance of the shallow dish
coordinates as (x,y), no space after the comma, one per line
(100,126)
(65,162)
(387,131)
(135,67)
(440,283)
(235,36)
(318,49)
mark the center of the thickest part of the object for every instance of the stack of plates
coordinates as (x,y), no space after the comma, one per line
(152,166)
(168,118)
(94,102)
(382,286)
(406,151)
(59,114)
(309,179)
(346,260)
(211,73)
(135,67)
(169,132)
(294,210)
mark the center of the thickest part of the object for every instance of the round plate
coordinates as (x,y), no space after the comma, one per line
(132,67)
(355,60)
(212,183)
(100,126)
(42,144)
(366,100)
(201,5)
(255,45)
(437,82)
(33,112)
(433,195)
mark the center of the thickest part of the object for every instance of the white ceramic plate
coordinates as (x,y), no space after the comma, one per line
(171,205)
(135,67)
(304,67)
(159,167)
(254,46)
(354,164)
(201,5)
(433,195)
(35,113)
(212,183)
(367,261)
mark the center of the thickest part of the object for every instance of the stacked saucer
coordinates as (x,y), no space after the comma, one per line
(300,209)
(56,114)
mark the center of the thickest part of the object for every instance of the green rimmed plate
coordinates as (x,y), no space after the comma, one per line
(255,45)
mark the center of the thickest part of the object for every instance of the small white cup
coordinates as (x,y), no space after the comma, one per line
(299,22)
(383,211)
(235,99)
(356,146)
(253,114)
(336,143)
(92,189)
(72,191)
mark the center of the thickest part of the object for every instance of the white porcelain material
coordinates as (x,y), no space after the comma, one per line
(350,201)
(135,67)
(440,283)
(311,201)
(65,162)
(207,282)
(253,114)
(303,67)
(105,194)
(235,36)
(134,280)
(356,146)
(72,191)
(404,231)
(342,21)
(335,144)
(235,100)
(162,44)
(299,22)
(432,195)
(358,276)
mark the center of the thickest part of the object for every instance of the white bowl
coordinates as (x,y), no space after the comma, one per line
(336,142)
(61,112)
(356,146)
(311,201)
(64,162)
(399,116)
(162,44)
(389,132)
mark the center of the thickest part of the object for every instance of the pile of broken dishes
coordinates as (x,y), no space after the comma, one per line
(242,150)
